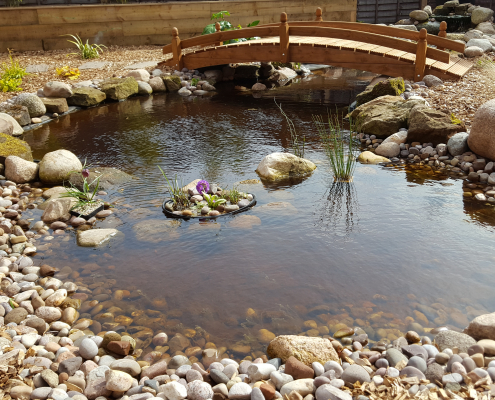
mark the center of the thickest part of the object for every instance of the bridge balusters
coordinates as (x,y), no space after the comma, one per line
(443,32)
(319,13)
(177,50)
(421,47)
(218,29)
(284,38)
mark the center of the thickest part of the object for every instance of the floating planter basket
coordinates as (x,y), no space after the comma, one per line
(170,214)
(90,215)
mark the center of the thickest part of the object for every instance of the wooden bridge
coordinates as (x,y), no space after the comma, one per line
(374,48)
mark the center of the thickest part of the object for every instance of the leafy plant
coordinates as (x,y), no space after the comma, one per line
(226,26)
(213,200)
(11,76)
(297,148)
(176,192)
(233,195)
(86,50)
(86,195)
(194,81)
(341,153)
(68,72)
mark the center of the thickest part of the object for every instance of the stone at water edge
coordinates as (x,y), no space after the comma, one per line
(35,106)
(258,87)
(390,149)
(119,88)
(57,166)
(481,139)
(57,89)
(10,146)
(482,327)
(86,97)
(399,138)
(16,129)
(419,15)
(450,339)
(157,84)
(277,166)
(144,88)
(481,14)
(305,349)
(55,105)
(391,86)
(58,209)
(19,170)
(94,237)
(367,157)
(139,75)
(173,83)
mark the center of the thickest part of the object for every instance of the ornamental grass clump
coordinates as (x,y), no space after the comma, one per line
(342,153)
(297,146)
(85,197)
(176,192)
(233,195)
(86,50)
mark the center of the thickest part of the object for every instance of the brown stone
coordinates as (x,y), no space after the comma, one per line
(268,391)
(482,327)
(305,349)
(160,368)
(55,105)
(119,347)
(413,337)
(297,369)
(63,377)
(46,270)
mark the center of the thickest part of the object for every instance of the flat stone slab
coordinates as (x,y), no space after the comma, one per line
(37,68)
(94,237)
(93,65)
(144,64)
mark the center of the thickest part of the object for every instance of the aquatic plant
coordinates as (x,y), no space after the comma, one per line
(341,153)
(203,186)
(226,26)
(194,81)
(213,200)
(86,50)
(11,75)
(233,195)
(86,195)
(176,192)
(297,148)
(68,72)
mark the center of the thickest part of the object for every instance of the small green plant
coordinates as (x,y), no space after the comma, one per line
(194,81)
(213,200)
(233,195)
(176,192)
(86,195)
(297,147)
(86,50)
(340,152)
(11,75)
(226,26)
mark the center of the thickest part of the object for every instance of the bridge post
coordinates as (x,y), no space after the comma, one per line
(443,32)
(421,47)
(218,29)
(318,15)
(284,38)
(177,50)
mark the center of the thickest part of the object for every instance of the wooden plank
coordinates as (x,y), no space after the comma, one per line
(18,16)
(20,45)
(142,40)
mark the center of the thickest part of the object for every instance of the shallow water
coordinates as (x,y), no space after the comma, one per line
(398,239)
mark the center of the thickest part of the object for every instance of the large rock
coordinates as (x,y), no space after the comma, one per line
(458,144)
(483,44)
(432,27)
(157,84)
(7,120)
(418,15)
(450,339)
(283,74)
(58,210)
(383,116)
(391,87)
(144,88)
(119,88)
(427,125)
(481,14)
(18,112)
(139,75)
(55,105)
(173,83)
(94,237)
(57,166)
(86,97)
(57,89)
(33,103)
(10,146)
(473,51)
(278,166)
(481,139)
(109,177)
(367,157)
(19,170)
(305,349)
(482,327)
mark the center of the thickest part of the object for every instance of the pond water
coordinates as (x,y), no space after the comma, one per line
(399,244)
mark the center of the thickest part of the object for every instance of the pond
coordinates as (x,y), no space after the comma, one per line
(400,244)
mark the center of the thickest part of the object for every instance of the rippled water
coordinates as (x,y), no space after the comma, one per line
(399,239)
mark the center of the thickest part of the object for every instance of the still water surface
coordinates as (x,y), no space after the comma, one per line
(402,239)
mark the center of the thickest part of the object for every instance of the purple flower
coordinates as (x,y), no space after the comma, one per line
(85,173)
(203,186)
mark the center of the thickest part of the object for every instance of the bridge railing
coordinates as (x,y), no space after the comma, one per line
(366,33)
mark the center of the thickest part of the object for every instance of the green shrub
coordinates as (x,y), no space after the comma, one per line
(226,26)
(11,75)
(86,50)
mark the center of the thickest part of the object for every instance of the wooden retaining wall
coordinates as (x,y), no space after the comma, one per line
(40,28)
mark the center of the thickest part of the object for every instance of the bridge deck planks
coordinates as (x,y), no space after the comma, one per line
(456,68)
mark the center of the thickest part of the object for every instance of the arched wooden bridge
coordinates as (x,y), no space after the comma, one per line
(374,48)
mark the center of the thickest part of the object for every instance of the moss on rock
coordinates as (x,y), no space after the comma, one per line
(173,83)
(390,87)
(86,97)
(10,146)
(120,88)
